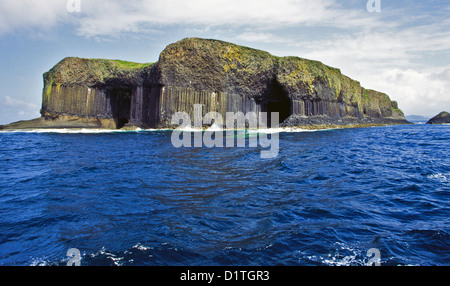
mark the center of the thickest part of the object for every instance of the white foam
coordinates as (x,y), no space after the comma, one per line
(64,131)
(298,130)
(82,131)
(215,127)
(344,255)
(190,129)
(142,247)
(187,129)
(440,177)
(39,262)
(266,130)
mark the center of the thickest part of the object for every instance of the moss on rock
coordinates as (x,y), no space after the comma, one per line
(193,70)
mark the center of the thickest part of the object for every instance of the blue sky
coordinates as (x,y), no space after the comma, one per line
(403,50)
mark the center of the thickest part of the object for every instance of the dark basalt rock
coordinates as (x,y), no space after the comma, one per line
(221,76)
(441,118)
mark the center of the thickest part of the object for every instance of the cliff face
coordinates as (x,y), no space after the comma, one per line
(221,76)
(98,89)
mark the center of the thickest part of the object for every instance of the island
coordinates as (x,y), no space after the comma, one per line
(222,77)
(441,118)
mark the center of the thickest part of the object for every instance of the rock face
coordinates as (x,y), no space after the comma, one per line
(441,118)
(221,76)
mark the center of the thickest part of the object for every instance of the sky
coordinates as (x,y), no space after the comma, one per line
(400,47)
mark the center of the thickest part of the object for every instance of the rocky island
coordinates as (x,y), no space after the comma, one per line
(223,77)
(441,118)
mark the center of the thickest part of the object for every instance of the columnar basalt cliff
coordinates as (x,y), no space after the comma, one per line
(221,76)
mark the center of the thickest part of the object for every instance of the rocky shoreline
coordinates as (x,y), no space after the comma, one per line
(307,123)
(441,118)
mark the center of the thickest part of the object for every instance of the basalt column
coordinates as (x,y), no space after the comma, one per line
(222,77)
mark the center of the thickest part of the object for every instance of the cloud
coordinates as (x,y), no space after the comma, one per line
(261,37)
(375,48)
(31,14)
(12,102)
(12,110)
(113,17)
(409,63)
(420,91)
(403,51)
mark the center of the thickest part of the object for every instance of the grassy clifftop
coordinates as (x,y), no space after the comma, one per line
(245,78)
(230,68)
(94,72)
(206,64)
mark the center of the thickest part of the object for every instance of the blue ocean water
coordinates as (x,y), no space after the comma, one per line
(131,198)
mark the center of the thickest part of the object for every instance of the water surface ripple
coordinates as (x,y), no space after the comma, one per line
(133,199)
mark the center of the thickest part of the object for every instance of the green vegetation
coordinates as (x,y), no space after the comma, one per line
(90,72)
(441,118)
(105,63)
(206,64)
(366,95)
(129,65)
(302,73)
(247,59)
(203,66)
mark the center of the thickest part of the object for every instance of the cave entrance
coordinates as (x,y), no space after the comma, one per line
(276,100)
(282,107)
(120,101)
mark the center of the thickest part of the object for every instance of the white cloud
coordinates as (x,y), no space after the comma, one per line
(12,102)
(31,14)
(395,48)
(261,37)
(13,109)
(111,17)
(420,91)
(401,52)
(394,61)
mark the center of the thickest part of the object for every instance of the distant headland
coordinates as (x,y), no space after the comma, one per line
(223,77)
(441,118)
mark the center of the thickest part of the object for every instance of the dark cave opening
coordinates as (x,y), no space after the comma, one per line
(120,101)
(276,100)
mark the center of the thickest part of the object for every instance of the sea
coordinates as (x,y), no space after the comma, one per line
(338,197)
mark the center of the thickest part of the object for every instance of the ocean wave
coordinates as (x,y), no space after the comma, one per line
(443,178)
(343,255)
(325,200)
